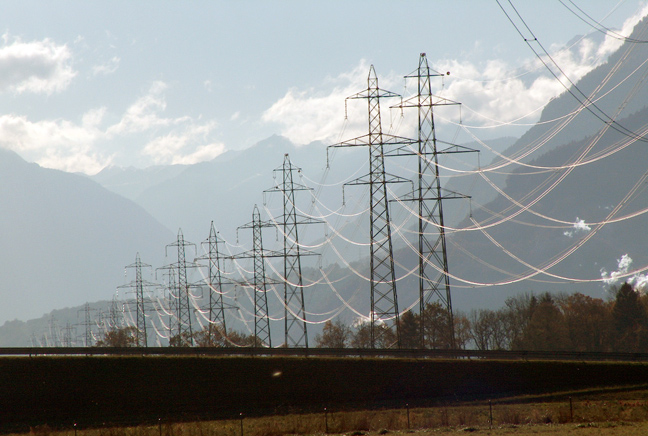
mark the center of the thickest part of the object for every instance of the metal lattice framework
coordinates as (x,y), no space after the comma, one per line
(87,324)
(183,334)
(296,333)
(216,306)
(140,300)
(262,336)
(434,281)
(384,299)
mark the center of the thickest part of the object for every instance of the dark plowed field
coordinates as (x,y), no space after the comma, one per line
(91,391)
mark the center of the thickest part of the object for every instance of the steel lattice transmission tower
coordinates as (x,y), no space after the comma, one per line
(384,298)
(184,330)
(262,337)
(140,301)
(216,306)
(87,323)
(434,280)
(296,333)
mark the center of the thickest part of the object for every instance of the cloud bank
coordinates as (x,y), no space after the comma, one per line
(492,94)
(36,66)
(86,146)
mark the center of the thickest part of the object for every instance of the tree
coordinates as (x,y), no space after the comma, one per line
(119,337)
(547,329)
(334,335)
(516,317)
(361,338)
(181,340)
(488,329)
(589,321)
(461,330)
(630,320)
(437,327)
(213,336)
(410,330)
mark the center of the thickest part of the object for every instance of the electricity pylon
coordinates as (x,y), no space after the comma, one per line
(384,298)
(184,331)
(216,306)
(87,324)
(296,332)
(434,280)
(141,339)
(262,337)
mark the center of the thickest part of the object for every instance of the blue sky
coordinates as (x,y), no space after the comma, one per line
(90,84)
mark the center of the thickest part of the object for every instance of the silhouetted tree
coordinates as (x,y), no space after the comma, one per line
(589,322)
(488,329)
(410,330)
(436,326)
(119,337)
(334,335)
(361,338)
(547,329)
(630,320)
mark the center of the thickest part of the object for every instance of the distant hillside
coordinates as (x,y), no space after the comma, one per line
(66,239)
(588,192)
(614,90)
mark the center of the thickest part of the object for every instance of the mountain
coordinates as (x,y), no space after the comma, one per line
(66,239)
(612,91)
(583,180)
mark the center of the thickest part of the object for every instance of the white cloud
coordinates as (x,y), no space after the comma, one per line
(83,147)
(56,144)
(613,42)
(623,266)
(106,68)
(494,93)
(311,115)
(179,146)
(144,113)
(579,226)
(203,153)
(639,281)
(37,66)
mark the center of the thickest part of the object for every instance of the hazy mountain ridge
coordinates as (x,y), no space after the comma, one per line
(588,193)
(606,90)
(75,234)
(67,239)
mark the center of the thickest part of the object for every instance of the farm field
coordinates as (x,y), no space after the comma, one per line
(604,413)
(116,396)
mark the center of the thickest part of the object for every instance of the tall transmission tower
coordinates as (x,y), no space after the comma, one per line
(296,332)
(87,324)
(434,280)
(140,301)
(54,332)
(262,335)
(67,335)
(384,298)
(184,330)
(216,307)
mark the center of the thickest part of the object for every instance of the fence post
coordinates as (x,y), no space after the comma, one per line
(75,429)
(408,416)
(571,410)
(326,421)
(241,415)
(490,413)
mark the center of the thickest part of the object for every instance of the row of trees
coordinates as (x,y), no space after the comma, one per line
(528,322)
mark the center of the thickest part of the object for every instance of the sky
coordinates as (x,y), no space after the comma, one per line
(85,85)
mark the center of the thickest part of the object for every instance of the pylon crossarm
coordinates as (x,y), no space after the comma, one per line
(250,254)
(454,148)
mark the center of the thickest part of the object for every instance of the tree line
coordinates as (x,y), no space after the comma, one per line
(544,322)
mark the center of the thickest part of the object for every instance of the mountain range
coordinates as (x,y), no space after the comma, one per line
(68,237)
